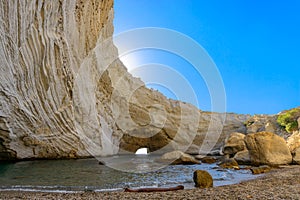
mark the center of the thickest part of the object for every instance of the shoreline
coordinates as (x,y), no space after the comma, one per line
(281,183)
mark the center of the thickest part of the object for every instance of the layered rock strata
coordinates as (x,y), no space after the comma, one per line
(65,94)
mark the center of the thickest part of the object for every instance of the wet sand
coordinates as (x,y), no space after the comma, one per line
(282,183)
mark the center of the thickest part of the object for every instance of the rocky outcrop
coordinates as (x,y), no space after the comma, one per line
(267,148)
(268,123)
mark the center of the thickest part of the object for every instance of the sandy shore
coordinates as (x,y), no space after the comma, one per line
(283,183)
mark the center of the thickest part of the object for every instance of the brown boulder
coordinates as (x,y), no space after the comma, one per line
(234,143)
(202,179)
(266,148)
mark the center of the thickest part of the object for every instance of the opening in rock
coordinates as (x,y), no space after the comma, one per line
(142,151)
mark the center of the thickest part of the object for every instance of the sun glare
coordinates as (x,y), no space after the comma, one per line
(130,61)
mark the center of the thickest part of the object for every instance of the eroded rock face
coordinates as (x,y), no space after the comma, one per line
(267,148)
(65,93)
(53,79)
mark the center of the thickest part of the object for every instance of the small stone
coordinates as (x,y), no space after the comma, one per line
(202,179)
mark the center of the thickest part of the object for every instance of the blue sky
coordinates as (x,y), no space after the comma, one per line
(254,44)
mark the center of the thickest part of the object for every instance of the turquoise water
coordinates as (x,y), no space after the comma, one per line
(88,175)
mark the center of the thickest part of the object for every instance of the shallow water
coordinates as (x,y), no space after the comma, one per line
(87,174)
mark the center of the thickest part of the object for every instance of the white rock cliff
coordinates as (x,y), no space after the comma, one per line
(65,94)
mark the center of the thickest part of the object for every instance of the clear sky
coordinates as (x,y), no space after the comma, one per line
(254,44)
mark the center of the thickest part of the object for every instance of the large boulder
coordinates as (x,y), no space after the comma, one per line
(267,148)
(178,157)
(234,143)
(202,179)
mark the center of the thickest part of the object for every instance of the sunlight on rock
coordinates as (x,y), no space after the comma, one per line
(130,61)
(142,151)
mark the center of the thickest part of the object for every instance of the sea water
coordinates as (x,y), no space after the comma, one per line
(121,172)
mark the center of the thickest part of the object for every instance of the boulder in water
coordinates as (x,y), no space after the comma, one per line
(202,179)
